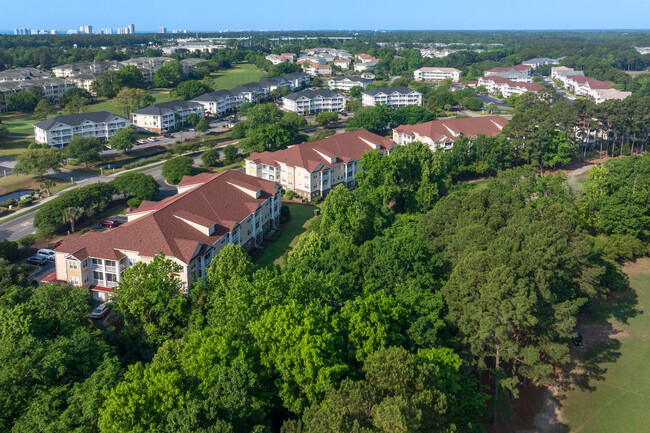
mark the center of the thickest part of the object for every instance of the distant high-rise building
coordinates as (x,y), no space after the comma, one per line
(122,30)
(162,29)
(86,29)
(131,28)
(22,31)
(73,32)
(107,31)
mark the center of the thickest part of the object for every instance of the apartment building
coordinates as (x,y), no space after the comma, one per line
(22,74)
(190,64)
(313,101)
(166,116)
(276,59)
(190,228)
(82,68)
(365,66)
(365,58)
(298,80)
(516,76)
(526,69)
(391,96)
(441,134)
(343,63)
(437,74)
(58,131)
(539,62)
(313,169)
(53,89)
(274,83)
(581,85)
(602,95)
(346,83)
(316,69)
(250,92)
(218,103)
(506,87)
(562,73)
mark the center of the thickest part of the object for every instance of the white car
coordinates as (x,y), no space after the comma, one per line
(152,139)
(141,142)
(100,311)
(49,254)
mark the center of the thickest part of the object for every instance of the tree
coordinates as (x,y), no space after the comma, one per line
(326,117)
(169,75)
(39,161)
(202,125)
(76,92)
(43,109)
(47,185)
(24,101)
(129,100)
(210,157)
(123,139)
(83,149)
(190,89)
(376,119)
(471,103)
(71,215)
(76,105)
(355,91)
(140,185)
(4,132)
(192,119)
(107,84)
(174,169)
(150,296)
(130,76)
(230,153)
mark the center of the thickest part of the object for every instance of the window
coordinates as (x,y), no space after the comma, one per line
(110,263)
(97,262)
(74,281)
(84,264)
(73,264)
(86,278)
(111,277)
(98,275)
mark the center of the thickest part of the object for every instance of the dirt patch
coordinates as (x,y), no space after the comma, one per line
(639,266)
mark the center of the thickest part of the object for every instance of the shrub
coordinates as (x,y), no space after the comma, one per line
(9,202)
(289,195)
(210,157)
(146,161)
(27,241)
(8,249)
(25,202)
(316,200)
(174,169)
(230,152)
(285,214)
(133,202)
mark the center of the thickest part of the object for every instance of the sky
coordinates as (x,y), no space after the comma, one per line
(214,15)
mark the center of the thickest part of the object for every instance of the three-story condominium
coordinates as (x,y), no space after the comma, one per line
(166,116)
(437,74)
(346,83)
(441,134)
(391,96)
(57,131)
(313,101)
(190,228)
(313,169)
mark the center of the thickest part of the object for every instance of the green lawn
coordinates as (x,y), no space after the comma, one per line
(239,74)
(107,104)
(613,390)
(19,123)
(14,147)
(276,252)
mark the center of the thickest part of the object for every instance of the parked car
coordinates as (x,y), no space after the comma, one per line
(141,142)
(101,310)
(56,244)
(49,254)
(109,223)
(168,135)
(152,139)
(577,340)
(37,260)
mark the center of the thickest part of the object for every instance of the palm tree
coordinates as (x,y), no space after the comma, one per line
(47,185)
(71,215)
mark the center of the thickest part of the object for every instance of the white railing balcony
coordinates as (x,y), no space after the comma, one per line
(111,269)
(111,283)
(99,283)
(94,266)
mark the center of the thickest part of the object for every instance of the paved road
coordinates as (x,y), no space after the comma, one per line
(568,97)
(487,99)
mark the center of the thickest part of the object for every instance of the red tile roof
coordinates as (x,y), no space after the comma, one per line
(593,83)
(519,68)
(530,87)
(451,128)
(217,200)
(342,147)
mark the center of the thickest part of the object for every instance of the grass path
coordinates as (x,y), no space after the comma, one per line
(612,392)
(276,252)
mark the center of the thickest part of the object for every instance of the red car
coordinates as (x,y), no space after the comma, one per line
(56,244)
(109,223)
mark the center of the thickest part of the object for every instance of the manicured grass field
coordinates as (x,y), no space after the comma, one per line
(613,395)
(276,252)
(107,105)
(14,147)
(19,123)
(239,74)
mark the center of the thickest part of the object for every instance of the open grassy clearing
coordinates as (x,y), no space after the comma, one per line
(19,124)
(108,105)
(612,380)
(19,182)
(276,252)
(239,74)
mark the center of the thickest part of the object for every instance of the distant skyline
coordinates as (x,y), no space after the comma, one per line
(201,15)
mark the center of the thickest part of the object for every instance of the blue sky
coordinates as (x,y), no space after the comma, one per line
(330,14)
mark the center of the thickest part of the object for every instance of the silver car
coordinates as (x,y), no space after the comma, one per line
(100,311)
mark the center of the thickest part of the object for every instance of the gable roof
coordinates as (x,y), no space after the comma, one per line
(78,119)
(353,78)
(469,127)
(165,107)
(435,69)
(311,94)
(219,199)
(339,148)
(389,90)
